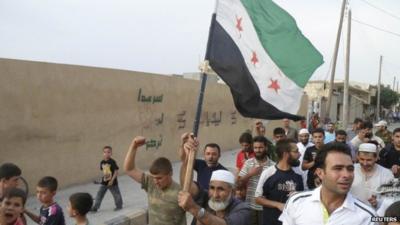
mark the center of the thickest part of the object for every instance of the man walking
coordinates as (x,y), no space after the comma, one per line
(330,203)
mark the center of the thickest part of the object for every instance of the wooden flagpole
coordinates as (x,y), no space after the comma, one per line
(192,155)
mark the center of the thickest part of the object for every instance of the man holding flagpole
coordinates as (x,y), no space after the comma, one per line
(217,206)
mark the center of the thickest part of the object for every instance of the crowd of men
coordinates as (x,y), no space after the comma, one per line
(307,176)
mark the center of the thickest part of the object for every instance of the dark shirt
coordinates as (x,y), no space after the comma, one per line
(389,156)
(108,167)
(277,187)
(236,213)
(52,215)
(308,156)
(204,172)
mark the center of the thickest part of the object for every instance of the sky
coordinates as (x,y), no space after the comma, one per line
(169,37)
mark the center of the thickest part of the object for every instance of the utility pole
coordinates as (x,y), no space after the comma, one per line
(346,80)
(378,97)
(328,110)
(394,82)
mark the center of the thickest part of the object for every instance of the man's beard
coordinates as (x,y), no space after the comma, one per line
(219,205)
(261,156)
(305,142)
(294,162)
(212,163)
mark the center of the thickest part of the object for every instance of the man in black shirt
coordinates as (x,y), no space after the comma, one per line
(204,168)
(217,206)
(390,155)
(318,136)
(278,182)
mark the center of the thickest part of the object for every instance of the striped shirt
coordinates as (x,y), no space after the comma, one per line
(253,181)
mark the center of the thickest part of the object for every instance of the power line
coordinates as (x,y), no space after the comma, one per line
(382,10)
(377,28)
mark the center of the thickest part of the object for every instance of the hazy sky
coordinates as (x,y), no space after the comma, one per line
(170,36)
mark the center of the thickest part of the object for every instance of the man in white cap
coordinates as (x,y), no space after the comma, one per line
(368,175)
(217,206)
(383,132)
(302,145)
(304,142)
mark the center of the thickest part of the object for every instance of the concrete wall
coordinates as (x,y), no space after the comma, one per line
(56,118)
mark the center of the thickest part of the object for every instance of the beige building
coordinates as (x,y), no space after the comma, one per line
(359,99)
(56,118)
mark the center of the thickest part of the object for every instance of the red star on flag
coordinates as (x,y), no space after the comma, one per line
(274,85)
(254,58)
(239,24)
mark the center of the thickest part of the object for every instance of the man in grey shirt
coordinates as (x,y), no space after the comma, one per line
(291,133)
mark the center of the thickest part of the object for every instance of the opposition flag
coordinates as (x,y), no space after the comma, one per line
(257,49)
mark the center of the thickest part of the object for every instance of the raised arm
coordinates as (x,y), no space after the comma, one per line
(182,153)
(190,144)
(129,163)
(186,201)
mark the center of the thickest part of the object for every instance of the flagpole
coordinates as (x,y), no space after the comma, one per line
(347,74)
(335,54)
(192,154)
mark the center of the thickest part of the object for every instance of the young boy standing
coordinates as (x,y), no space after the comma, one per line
(79,205)
(109,180)
(12,207)
(50,212)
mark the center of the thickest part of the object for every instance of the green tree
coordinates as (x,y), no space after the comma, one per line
(388,97)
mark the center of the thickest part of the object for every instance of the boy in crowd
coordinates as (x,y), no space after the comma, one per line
(79,205)
(12,207)
(50,212)
(109,180)
(9,177)
(246,152)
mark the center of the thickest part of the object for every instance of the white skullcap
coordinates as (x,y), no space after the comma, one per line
(223,175)
(381,123)
(367,147)
(304,131)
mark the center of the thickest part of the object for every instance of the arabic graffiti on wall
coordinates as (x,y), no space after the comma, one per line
(149,99)
(154,143)
(181,119)
(214,118)
(233,117)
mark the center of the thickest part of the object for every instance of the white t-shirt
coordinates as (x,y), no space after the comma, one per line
(306,208)
(364,187)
